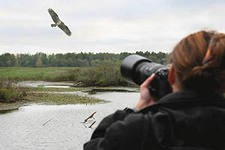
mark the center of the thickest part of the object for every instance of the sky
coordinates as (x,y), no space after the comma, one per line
(111,26)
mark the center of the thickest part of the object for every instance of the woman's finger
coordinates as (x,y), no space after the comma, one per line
(148,81)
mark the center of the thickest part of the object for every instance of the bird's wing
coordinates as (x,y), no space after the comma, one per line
(64,28)
(54,16)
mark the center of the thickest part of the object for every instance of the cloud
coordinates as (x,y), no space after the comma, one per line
(105,26)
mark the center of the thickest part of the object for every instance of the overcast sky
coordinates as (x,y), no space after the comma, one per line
(105,25)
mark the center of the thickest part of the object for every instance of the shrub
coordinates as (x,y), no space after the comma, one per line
(9,93)
(106,73)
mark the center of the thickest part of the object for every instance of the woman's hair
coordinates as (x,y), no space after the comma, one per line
(199,61)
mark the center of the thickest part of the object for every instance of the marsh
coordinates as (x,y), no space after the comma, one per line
(57,127)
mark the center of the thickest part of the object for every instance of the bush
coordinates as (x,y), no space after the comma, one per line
(106,73)
(9,93)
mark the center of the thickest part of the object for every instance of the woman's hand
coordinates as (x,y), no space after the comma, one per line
(145,96)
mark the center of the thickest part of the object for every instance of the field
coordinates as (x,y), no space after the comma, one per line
(35,73)
(101,75)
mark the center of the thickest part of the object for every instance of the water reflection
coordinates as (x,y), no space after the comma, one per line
(57,126)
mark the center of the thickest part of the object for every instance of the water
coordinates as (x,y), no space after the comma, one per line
(45,84)
(57,127)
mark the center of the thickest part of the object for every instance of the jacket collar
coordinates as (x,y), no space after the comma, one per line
(186,99)
(190,96)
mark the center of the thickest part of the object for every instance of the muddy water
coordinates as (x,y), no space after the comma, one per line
(51,127)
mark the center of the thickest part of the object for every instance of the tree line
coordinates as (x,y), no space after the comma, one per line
(72,59)
(86,69)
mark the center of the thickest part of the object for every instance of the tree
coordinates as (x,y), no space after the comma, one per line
(38,62)
(73,59)
(7,60)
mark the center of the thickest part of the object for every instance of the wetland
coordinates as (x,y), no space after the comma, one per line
(59,125)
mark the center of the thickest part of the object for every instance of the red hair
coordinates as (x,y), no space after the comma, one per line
(199,61)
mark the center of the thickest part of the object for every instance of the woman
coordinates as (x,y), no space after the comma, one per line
(191,117)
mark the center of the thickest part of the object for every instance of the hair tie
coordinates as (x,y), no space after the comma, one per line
(208,56)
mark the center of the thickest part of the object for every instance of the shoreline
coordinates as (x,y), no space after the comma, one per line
(60,96)
(9,107)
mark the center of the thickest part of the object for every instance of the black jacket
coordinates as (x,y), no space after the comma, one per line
(179,121)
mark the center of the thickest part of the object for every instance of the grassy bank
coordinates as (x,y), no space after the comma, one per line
(47,89)
(58,99)
(41,95)
(34,73)
(57,96)
(106,74)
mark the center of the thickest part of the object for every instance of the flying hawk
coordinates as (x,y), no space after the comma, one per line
(58,22)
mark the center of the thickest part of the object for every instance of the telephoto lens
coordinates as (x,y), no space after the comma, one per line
(137,69)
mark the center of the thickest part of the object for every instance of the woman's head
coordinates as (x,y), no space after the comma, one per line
(199,62)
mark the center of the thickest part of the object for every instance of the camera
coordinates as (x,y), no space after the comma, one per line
(137,69)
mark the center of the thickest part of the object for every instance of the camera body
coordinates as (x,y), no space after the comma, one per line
(137,69)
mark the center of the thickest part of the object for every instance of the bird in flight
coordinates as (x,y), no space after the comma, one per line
(58,22)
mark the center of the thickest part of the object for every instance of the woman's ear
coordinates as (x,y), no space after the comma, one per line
(171,75)
(172,79)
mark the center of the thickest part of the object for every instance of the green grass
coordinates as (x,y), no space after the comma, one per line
(41,95)
(101,75)
(47,96)
(35,73)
